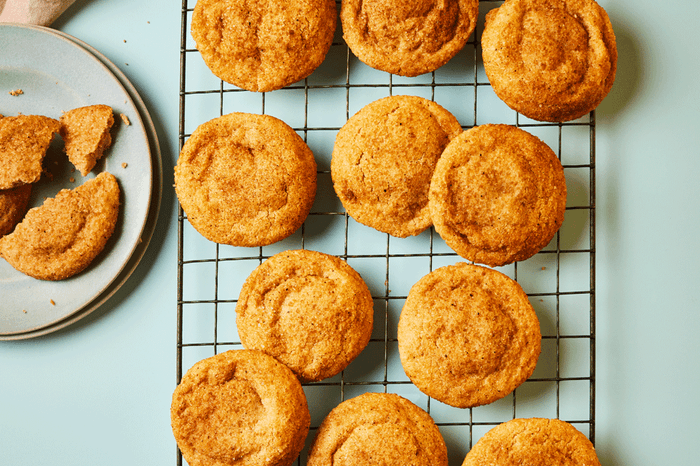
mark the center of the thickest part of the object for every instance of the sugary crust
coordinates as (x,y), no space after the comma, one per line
(498,194)
(24,140)
(407,38)
(536,442)
(85,133)
(468,335)
(242,408)
(311,311)
(383,160)
(245,180)
(13,206)
(551,60)
(378,428)
(263,45)
(63,236)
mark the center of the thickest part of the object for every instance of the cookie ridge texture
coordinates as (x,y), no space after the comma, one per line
(383,160)
(239,407)
(540,441)
(264,45)
(550,60)
(309,310)
(245,179)
(407,38)
(378,428)
(468,335)
(498,194)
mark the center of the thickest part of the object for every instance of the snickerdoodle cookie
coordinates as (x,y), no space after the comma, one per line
(311,311)
(468,335)
(383,160)
(378,428)
(242,408)
(24,140)
(498,194)
(13,206)
(536,441)
(551,60)
(64,235)
(407,38)
(265,44)
(245,179)
(85,133)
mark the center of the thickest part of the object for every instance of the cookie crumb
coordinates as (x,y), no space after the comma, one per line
(124,164)
(53,303)
(72,180)
(544,268)
(24,311)
(16,92)
(125,119)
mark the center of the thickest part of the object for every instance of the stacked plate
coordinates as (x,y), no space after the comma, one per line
(56,73)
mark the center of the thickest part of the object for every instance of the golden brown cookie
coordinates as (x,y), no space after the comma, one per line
(24,140)
(85,133)
(311,311)
(498,195)
(551,60)
(407,38)
(13,206)
(263,45)
(468,335)
(383,160)
(245,179)
(242,408)
(378,428)
(63,236)
(536,441)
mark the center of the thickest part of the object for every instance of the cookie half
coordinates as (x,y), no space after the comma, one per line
(85,133)
(242,408)
(498,195)
(468,335)
(24,140)
(545,442)
(407,38)
(383,160)
(245,179)
(378,428)
(551,60)
(311,311)
(64,235)
(13,206)
(263,45)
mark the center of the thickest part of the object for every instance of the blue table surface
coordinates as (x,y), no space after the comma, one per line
(99,391)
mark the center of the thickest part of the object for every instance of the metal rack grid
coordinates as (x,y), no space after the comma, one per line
(560,280)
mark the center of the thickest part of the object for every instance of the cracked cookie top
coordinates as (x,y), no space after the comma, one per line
(245,179)
(263,45)
(407,37)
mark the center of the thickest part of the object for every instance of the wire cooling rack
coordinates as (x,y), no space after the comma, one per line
(560,280)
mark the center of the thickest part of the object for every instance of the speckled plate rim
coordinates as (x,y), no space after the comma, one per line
(155,195)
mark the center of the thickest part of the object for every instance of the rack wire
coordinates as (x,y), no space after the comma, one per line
(559,280)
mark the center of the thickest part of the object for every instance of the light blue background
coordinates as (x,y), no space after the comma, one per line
(99,392)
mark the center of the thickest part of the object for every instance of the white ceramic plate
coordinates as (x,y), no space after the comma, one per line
(57,73)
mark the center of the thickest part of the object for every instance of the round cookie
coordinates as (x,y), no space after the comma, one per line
(468,335)
(263,45)
(544,442)
(498,195)
(245,179)
(309,310)
(378,428)
(13,206)
(407,38)
(383,160)
(242,408)
(551,60)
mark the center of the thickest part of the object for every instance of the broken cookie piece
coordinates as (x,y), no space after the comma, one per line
(13,206)
(85,133)
(24,140)
(62,237)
